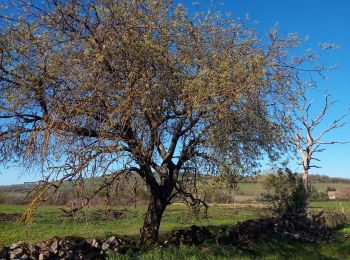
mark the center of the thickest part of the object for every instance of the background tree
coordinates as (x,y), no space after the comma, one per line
(308,142)
(105,87)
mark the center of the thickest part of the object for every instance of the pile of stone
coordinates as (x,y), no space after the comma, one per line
(113,243)
(64,248)
(193,236)
(246,234)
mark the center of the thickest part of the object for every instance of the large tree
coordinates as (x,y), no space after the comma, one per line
(100,87)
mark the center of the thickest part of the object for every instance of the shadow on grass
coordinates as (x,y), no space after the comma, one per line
(269,247)
(276,248)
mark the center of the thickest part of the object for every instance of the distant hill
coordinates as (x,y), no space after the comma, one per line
(248,189)
(314,178)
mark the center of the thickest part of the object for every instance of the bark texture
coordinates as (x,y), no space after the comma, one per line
(160,197)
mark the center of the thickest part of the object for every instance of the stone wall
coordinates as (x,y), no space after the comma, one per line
(64,248)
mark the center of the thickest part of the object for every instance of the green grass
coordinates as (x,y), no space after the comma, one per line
(251,191)
(331,204)
(337,185)
(258,188)
(270,248)
(49,221)
(251,188)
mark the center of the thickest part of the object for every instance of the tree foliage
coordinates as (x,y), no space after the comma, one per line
(100,87)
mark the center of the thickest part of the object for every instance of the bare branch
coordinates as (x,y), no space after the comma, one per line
(307,143)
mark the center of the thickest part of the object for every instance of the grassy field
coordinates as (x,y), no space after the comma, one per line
(272,248)
(252,191)
(50,222)
(322,186)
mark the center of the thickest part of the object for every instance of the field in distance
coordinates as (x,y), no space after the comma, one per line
(247,190)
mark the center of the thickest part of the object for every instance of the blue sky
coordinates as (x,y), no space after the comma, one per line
(325,22)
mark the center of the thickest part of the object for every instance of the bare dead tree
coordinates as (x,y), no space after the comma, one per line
(309,139)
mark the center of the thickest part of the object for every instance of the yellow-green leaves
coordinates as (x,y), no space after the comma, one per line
(121,70)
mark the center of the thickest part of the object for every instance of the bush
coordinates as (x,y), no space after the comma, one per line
(218,196)
(335,219)
(286,196)
(13,198)
(3,198)
(316,195)
(223,197)
(331,189)
(319,196)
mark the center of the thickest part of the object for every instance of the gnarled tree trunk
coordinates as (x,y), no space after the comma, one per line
(160,197)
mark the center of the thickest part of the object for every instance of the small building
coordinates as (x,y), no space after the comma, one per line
(332,195)
(341,194)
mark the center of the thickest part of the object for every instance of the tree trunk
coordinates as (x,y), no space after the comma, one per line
(306,192)
(156,207)
(305,182)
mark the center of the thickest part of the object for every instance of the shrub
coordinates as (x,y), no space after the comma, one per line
(2,198)
(218,196)
(285,196)
(223,197)
(331,189)
(335,219)
(13,198)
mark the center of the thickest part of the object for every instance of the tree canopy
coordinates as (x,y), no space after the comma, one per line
(99,87)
